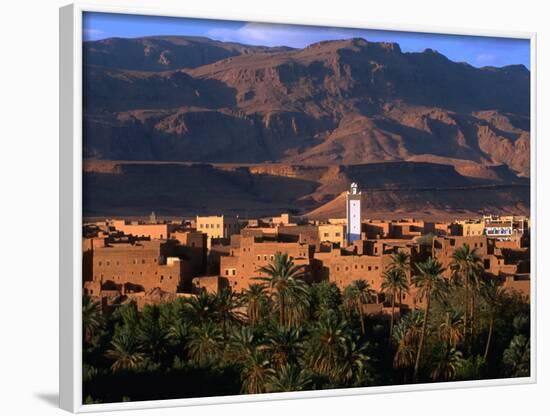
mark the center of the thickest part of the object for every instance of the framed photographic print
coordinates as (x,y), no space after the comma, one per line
(260,209)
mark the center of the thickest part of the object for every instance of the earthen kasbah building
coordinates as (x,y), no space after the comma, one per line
(134,260)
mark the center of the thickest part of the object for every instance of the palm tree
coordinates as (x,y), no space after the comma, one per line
(401,261)
(125,352)
(298,303)
(205,345)
(178,332)
(354,366)
(517,357)
(521,322)
(356,295)
(254,296)
(493,295)
(466,268)
(447,365)
(128,317)
(406,335)
(406,351)
(429,283)
(394,281)
(226,303)
(289,378)
(173,323)
(152,337)
(327,345)
(283,345)
(241,342)
(286,284)
(256,373)
(325,296)
(451,329)
(92,318)
(201,308)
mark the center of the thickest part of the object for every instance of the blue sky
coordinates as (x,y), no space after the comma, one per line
(476,50)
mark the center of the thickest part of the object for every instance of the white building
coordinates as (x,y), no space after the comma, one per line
(505,228)
(216,227)
(353,214)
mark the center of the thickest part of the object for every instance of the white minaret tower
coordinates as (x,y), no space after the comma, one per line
(353,214)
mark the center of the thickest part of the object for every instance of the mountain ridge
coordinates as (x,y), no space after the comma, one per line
(333,103)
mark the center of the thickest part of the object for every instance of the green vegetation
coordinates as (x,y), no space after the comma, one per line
(284,335)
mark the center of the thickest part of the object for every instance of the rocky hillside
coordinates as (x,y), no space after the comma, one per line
(344,102)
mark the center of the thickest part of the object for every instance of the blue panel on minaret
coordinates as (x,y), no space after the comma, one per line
(354,237)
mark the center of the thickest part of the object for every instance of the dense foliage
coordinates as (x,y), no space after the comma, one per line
(284,335)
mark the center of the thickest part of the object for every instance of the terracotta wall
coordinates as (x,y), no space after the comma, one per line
(241,268)
(138,267)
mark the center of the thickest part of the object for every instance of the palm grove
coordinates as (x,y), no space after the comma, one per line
(285,335)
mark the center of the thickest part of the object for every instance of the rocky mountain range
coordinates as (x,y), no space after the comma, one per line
(335,107)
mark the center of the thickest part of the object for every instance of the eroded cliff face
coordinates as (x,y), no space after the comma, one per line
(390,188)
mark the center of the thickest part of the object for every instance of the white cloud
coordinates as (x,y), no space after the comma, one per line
(93,34)
(277,35)
(486,59)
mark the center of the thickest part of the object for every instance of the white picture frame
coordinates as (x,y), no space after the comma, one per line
(70,214)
